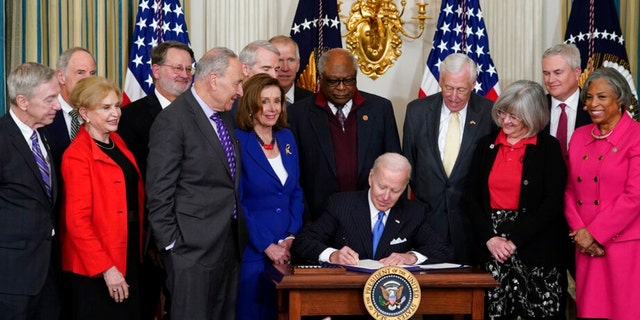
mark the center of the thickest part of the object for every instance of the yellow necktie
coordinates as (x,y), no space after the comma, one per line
(452,143)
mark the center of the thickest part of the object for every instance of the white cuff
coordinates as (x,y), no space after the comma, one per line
(326,254)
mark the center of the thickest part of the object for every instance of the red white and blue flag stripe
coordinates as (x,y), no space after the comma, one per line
(157,21)
(461,29)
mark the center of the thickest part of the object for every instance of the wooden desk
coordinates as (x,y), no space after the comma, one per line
(458,291)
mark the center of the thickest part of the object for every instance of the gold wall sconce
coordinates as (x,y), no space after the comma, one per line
(373,33)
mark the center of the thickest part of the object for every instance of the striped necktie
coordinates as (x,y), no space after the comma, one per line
(75,123)
(42,162)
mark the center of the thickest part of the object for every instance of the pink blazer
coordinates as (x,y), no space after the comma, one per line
(611,210)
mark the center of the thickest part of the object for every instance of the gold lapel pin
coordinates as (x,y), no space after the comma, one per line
(287,149)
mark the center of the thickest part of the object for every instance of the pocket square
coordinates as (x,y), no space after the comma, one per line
(398,241)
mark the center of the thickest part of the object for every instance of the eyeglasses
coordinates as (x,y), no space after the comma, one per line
(450,89)
(336,82)
(504,115)
(179,69)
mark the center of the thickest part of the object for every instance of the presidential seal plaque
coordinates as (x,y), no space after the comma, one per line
(391,293)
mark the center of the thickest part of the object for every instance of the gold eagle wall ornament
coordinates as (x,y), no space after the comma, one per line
(308,77)
(373,33)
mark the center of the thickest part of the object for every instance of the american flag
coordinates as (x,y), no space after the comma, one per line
(315,28)
(594,28)
(461,29)
(157,21)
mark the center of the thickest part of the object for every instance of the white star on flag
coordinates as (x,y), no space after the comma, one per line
(163,14)
(469,37)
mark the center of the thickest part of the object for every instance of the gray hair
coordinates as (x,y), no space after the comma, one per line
(215,60)
(26,78)
(569,52)
(286,40)
(615,80)
(392,161)
(525,99)
(65,57)
(322,62)
(250,51)
(454,63)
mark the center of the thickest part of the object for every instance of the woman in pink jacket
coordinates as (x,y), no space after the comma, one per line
(602,201)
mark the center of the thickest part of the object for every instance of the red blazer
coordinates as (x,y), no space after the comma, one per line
(94,209)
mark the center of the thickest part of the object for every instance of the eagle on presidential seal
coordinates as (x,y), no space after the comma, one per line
(391,295)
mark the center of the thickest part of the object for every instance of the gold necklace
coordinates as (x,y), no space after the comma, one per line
(602,136)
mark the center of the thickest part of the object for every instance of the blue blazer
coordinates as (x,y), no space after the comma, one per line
(272,210)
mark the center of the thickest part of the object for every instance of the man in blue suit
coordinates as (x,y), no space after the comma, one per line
(345,232)
(28,190)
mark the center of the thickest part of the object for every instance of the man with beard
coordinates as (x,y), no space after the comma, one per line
(172,69)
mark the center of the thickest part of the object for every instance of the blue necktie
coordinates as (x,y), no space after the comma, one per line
(42,163)
(225,140)
(378,228)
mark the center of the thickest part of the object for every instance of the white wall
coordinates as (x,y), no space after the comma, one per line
(519,31)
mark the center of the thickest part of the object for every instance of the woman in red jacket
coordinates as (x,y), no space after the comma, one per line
(102,209)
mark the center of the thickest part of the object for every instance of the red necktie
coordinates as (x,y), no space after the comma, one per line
(561,133)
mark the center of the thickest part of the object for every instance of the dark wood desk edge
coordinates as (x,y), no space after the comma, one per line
(468,278)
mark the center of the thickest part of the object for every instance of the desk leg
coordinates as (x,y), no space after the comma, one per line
(477,304)
(295,304)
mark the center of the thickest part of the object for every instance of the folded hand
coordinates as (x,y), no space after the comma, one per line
(501,248)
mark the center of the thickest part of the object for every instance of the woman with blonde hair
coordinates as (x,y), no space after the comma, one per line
(102,209)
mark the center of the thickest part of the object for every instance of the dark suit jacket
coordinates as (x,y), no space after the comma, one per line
(190,192)
(582,116)
(58,137)
(26,214)
(273,210)
(377,133)
(429,182)
(540,232)
(300,93)
(134,127)
(347,221)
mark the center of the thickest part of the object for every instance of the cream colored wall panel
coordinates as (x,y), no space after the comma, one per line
(519,31)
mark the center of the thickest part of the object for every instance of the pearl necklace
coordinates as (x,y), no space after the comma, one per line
(602,136)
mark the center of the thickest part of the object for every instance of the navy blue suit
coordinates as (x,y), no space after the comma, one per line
(273,211)
(26,224)
(347,221)
(58,136)
(134,126)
